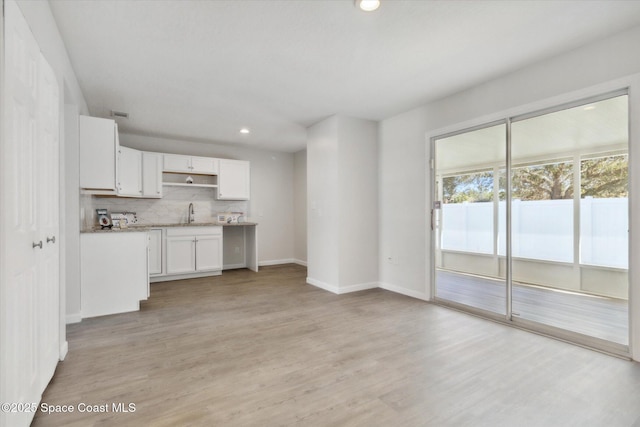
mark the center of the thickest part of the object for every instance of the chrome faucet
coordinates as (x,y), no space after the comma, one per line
(191,214)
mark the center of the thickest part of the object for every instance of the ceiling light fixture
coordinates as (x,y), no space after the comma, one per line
(367,5)
(589,107)
(244,131)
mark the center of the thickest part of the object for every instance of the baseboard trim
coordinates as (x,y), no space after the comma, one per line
(167,278)
(358,287)
(276,262)
(73,318)
(341,290)
(64,349)
(300,262)
(407,292)
(233,266)
(322,285)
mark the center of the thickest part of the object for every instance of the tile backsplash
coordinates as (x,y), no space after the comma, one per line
(171,208)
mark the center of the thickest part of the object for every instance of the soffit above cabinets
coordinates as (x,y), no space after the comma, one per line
(202,70)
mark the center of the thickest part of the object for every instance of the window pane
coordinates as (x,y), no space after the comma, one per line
(468,209)
(605,177)
(542,212)
(604,219)
(474,187)
(551,181)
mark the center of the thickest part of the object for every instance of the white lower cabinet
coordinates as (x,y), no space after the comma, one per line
(181,254)
(209,252)
(194,249)
(114,272)
(155,252)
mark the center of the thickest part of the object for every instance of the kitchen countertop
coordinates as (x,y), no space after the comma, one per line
(147,227)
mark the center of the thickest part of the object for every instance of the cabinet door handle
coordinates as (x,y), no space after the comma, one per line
(52,239)
(39,244)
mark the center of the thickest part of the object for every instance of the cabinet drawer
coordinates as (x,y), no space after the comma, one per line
(194,231)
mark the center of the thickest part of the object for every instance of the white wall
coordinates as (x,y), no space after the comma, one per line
(44,28)
(358,203)
(71,176)
(404,181)
(300,206)
(271,204)
(322,202)
(342,225)
(403,261)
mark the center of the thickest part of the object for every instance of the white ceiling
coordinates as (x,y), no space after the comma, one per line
(201,70)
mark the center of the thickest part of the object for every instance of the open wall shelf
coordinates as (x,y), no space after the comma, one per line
(182,180)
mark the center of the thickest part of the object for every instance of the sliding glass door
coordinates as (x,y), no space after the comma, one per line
(569,211)
(531,220)
(469,218)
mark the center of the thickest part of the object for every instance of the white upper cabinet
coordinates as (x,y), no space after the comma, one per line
(204,165)
(234,180)
(129,172)
(98,154)
(190,164)
(151,175)
(177,163)
(139,173)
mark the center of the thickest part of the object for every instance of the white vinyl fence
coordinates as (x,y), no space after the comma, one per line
(542,230)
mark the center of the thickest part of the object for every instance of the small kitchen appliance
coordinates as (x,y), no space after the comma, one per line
(231,217)
(103,218)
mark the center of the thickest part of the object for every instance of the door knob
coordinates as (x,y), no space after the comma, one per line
(39,244)
(52,239)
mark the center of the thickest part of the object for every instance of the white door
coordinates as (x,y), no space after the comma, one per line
(208,253)
(152,175)
(181,255)
(29,283)
(129,172)
(47,191)
(234,180)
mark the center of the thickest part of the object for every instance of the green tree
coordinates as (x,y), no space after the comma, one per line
(475,187)
(600,177)
(605,177)
(543,182)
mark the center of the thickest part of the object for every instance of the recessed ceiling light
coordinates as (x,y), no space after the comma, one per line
(368,5)
(245,131)
(589,107)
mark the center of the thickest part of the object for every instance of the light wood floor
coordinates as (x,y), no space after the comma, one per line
(600,317)
(265,349)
